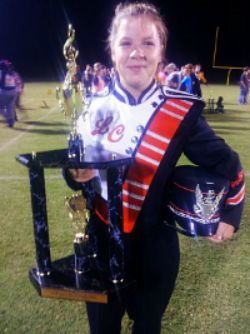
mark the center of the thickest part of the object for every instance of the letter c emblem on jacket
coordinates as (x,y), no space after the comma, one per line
(117,133)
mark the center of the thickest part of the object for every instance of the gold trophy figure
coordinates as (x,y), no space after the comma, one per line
(71,97)
(79,216)
(72,86)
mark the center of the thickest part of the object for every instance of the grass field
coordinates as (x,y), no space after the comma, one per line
(212,293)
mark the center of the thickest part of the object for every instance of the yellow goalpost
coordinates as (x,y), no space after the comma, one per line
(229,68)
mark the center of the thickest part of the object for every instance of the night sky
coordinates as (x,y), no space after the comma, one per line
(32,33)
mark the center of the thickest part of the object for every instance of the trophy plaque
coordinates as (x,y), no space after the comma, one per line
(73,277)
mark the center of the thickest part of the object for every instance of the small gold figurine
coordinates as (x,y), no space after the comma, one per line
(78,215)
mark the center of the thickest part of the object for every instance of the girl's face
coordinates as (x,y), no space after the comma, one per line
(136,52)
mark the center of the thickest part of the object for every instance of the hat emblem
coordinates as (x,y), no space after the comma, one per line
(207,205)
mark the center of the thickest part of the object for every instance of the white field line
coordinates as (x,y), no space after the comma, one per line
(22,178)
(20,135)
(49,177)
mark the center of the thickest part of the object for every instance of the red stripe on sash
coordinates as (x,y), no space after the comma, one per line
(167,124)
(148,153)
(172,108)
(131,200)
(182,103)
(155,141)
(135,189)
(147,159)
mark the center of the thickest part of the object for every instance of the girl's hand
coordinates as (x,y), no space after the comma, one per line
(224,232)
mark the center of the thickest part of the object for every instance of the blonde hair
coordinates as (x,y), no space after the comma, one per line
(137,9)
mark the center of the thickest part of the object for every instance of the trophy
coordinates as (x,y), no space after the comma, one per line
(82,275)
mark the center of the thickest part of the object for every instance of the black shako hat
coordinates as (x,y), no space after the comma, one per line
(196,200)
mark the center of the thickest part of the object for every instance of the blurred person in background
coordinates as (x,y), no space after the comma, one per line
(87,79)
(172,76)
(219,105)
(186,82)
(19,90)
(244,85)
(99,81)
(160,76)
(200,74)
(8,92)
(190,83)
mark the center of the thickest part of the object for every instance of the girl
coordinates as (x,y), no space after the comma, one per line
(142,118)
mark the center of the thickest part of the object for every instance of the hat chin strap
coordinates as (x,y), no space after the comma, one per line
(180,230)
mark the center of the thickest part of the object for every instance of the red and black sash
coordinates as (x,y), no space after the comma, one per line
(154,144)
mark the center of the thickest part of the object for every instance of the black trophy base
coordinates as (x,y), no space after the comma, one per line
(64,283)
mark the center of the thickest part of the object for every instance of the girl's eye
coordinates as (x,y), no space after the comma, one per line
(149,43)
(125,43)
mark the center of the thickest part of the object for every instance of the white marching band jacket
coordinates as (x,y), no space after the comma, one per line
(155,131)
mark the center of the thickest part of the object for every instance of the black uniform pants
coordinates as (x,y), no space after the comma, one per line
(156,271)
